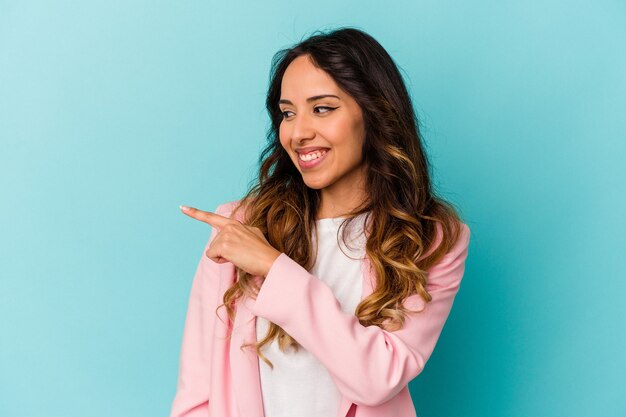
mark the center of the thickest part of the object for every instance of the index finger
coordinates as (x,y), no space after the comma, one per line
(208,217)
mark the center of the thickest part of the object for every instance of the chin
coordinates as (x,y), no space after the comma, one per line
(317,185)
(313,186)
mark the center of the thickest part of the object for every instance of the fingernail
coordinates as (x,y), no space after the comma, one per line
(184,208)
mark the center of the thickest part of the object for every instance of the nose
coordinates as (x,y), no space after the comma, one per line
(302,128)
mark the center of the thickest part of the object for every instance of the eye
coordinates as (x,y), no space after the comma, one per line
(328,109)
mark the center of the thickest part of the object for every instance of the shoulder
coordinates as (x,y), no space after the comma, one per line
(461,243)
(463,240)
(448,271)
(459,251)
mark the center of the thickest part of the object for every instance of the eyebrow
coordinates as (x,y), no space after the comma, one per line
(310,99)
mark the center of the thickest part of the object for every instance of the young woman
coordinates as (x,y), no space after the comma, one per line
(323,291)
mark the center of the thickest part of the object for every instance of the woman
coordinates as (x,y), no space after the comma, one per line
(289,317)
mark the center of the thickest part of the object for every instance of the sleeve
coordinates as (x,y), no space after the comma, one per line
(369,365)
(192,391)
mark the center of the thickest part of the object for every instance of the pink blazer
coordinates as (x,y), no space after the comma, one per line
(370,366)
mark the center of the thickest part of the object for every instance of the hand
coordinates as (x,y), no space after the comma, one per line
(244,246)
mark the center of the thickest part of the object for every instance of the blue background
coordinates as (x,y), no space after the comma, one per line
(112,113)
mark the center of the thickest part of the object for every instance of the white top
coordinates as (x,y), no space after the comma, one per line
(299,385)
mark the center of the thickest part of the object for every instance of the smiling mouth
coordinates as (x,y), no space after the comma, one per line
(312,159)
(312,155)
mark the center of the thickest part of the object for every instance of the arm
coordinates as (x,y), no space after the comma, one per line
(192,392)
(368,364)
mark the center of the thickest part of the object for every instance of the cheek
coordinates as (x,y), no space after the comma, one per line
(347,136)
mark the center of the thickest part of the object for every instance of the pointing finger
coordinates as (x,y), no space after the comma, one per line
(208,217)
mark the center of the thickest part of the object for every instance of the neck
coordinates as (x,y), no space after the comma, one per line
(339,199)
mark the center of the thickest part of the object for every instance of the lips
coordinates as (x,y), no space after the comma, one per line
(314,162)
(310,149)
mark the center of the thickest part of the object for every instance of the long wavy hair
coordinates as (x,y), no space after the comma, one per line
(401,209)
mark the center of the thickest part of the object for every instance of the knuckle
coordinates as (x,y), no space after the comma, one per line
(230,226)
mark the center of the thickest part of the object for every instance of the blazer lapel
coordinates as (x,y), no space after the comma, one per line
(245,364)
(368,285)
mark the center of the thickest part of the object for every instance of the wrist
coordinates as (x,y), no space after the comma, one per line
(271,261)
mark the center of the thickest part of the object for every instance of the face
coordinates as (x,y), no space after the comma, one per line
(317,114)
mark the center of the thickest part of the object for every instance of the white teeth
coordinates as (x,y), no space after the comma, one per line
(312,155)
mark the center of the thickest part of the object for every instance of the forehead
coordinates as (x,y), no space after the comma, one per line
(302,79)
